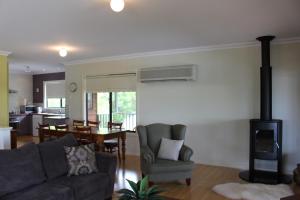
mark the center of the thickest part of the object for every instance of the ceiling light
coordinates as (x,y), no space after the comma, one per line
(63,52)
(117,5)
(27,69)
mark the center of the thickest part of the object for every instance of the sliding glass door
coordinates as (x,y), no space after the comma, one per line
(112,106)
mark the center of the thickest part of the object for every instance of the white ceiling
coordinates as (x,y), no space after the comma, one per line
(33,29)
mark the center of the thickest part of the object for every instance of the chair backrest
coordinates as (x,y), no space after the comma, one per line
(84,129)
(93,124)
(114,125)
(152,134)
(62,127)
(78,123)
(44,126)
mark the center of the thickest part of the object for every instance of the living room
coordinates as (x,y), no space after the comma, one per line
(216,107)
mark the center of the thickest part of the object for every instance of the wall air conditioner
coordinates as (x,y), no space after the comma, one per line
(169,73)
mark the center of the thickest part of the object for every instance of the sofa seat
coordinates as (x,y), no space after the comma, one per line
(84,186)
(46,191)
(168,166)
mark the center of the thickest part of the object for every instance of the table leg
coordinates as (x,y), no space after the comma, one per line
(100,143)
(123,138)
(41,135)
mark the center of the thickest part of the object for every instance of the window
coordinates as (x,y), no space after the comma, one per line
(112,106)
(56,103)
(54,94)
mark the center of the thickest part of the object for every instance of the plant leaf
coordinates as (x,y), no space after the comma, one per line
(133,185)
(144,184)
(156,197)
(126,192)
(154,190)
(138,184)
(127,197)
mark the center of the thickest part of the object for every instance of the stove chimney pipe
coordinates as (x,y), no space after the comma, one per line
(265,79)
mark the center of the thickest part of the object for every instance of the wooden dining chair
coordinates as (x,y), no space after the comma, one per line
(85,135)
(78,123)
(112,146)
(47,135)
(45,126)
(62,127)
(114,125)
(93,124)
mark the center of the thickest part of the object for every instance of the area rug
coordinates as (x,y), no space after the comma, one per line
(237,191)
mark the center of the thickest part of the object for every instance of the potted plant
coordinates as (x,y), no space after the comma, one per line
(140,191)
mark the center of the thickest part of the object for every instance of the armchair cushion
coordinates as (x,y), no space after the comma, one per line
(157,131)
(185,153)
(147,155)
(169,166)
(169,149)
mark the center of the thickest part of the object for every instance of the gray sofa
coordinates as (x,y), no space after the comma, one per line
(39,172)
(160,169)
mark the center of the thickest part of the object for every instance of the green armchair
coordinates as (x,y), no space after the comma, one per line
(160,169)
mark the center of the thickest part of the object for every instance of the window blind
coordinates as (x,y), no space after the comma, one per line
(55,89)
(111,83)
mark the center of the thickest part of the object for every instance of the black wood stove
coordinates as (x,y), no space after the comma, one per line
(265,133)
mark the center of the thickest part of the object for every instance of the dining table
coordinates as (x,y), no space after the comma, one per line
(98,135)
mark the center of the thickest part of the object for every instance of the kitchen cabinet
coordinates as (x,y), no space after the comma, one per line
(22,123)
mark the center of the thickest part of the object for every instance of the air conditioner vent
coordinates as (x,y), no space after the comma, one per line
(182,72)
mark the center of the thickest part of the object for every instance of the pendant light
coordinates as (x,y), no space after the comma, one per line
(117,5)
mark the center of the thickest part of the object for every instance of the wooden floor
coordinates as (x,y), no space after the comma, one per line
(203,179)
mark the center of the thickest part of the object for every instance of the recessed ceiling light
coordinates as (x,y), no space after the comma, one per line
(117,5)
(27,69)
(63,52)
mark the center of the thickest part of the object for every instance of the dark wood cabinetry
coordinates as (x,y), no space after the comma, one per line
(22,123)
(38,84)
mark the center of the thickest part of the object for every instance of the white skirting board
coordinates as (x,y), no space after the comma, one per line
(5,142)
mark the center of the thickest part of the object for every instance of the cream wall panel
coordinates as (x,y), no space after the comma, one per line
(217,107)
(22,83)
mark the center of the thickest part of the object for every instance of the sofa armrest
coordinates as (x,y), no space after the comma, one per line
(185,153)
(147,155)
(107,163)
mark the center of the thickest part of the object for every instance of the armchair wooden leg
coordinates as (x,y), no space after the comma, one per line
(143,175)
(188,181)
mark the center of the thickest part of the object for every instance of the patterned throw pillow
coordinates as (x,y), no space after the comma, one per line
(81,159)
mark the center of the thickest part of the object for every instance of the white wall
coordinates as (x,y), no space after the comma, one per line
(217,107)
(23,84)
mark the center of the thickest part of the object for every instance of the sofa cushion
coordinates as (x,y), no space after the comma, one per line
(169,149)
(53,155)
(84,185)
(97,196)
(162,165)
(45,191)
(81,159)
(20,168)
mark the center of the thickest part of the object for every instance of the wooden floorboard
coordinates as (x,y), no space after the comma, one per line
(204,177)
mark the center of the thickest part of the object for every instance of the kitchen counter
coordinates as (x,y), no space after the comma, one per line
(53,120)
(56,117)
(49,114)
(26,123)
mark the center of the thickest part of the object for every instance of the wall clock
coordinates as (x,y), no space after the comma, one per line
(73,87)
